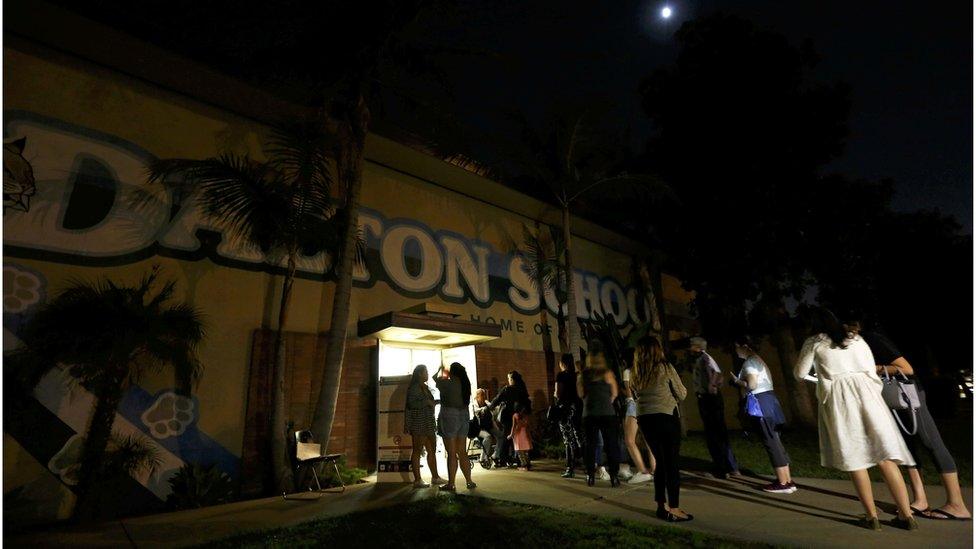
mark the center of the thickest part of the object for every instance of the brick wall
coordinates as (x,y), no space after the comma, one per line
(494,365)
(353,431)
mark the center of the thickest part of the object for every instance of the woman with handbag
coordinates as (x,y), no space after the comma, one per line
(659,392)
(919,429)
(765,413)
(857,430)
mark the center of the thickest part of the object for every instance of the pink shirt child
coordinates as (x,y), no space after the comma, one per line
(520,433)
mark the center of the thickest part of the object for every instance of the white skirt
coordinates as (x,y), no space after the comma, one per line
(857,429)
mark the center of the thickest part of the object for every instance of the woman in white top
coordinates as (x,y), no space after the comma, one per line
(857,430)
(756,378)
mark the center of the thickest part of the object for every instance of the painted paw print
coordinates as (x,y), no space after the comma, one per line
(169,416)
(21,289)
(67,462)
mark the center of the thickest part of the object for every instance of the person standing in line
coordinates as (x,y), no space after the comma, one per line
(644,473)
(708,388)
(857,430)
(520,436)
(509,399)
(889,361)
(598,387)
(659,394)
(455,390)
(756,378)
(568,407)
(421,427)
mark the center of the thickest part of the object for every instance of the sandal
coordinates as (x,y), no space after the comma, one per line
(448,488)
(920,512)
(671,517)
(939,514)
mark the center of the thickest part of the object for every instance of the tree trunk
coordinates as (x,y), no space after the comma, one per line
(352,158)
(280,463)
(93,452)
(573,339)
(561,330)
(802,401)
(657,290)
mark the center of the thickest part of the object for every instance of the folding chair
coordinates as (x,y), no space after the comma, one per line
(308,454)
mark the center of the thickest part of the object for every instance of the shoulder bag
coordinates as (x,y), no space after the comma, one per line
(901,394)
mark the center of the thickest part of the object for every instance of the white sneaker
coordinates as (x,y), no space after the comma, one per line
(602,473)
(438,481)
(420,484)
(640,478)
(625,474)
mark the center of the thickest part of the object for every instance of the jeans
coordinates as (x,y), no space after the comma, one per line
(663,434)
(609,428)
(712,410)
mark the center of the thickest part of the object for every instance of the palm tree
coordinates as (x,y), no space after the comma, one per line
(540,261)
(108,336)
(283,208)
(568,160)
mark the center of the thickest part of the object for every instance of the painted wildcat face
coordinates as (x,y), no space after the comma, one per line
(18,177)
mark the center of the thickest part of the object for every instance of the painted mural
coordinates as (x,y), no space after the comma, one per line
(76,196)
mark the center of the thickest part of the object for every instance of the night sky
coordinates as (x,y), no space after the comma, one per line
(909,66)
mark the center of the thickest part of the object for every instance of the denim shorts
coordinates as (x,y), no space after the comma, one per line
(453,422)
(631,408)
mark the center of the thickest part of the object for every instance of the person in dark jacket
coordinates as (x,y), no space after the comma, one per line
(510,398)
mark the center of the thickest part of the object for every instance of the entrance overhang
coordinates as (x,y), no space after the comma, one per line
(427,326)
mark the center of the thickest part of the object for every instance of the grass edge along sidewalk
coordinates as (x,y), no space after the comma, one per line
(447,519)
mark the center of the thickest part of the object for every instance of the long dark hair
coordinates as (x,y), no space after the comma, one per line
(649,363)
(822,321)
(418,378)
(458,371)
(518,382)
(568,361)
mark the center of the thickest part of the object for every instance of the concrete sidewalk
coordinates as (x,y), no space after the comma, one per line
(819,515)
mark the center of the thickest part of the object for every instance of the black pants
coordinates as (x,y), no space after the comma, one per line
(712,410)
(663,433)
(927,436)
(609,427)
(769,434)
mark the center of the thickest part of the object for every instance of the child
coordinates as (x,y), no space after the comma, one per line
(520,437)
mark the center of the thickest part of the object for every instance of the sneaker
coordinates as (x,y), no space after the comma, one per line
(437,481)
(625,474)
(640,478)
(777,488)
(792,485)
(420,484)
(602,474)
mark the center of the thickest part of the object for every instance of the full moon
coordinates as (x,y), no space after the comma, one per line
(666,12)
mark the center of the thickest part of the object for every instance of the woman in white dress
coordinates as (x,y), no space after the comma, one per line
(857,430)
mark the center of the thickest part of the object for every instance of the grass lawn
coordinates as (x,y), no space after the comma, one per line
(804,450)
(448,520)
